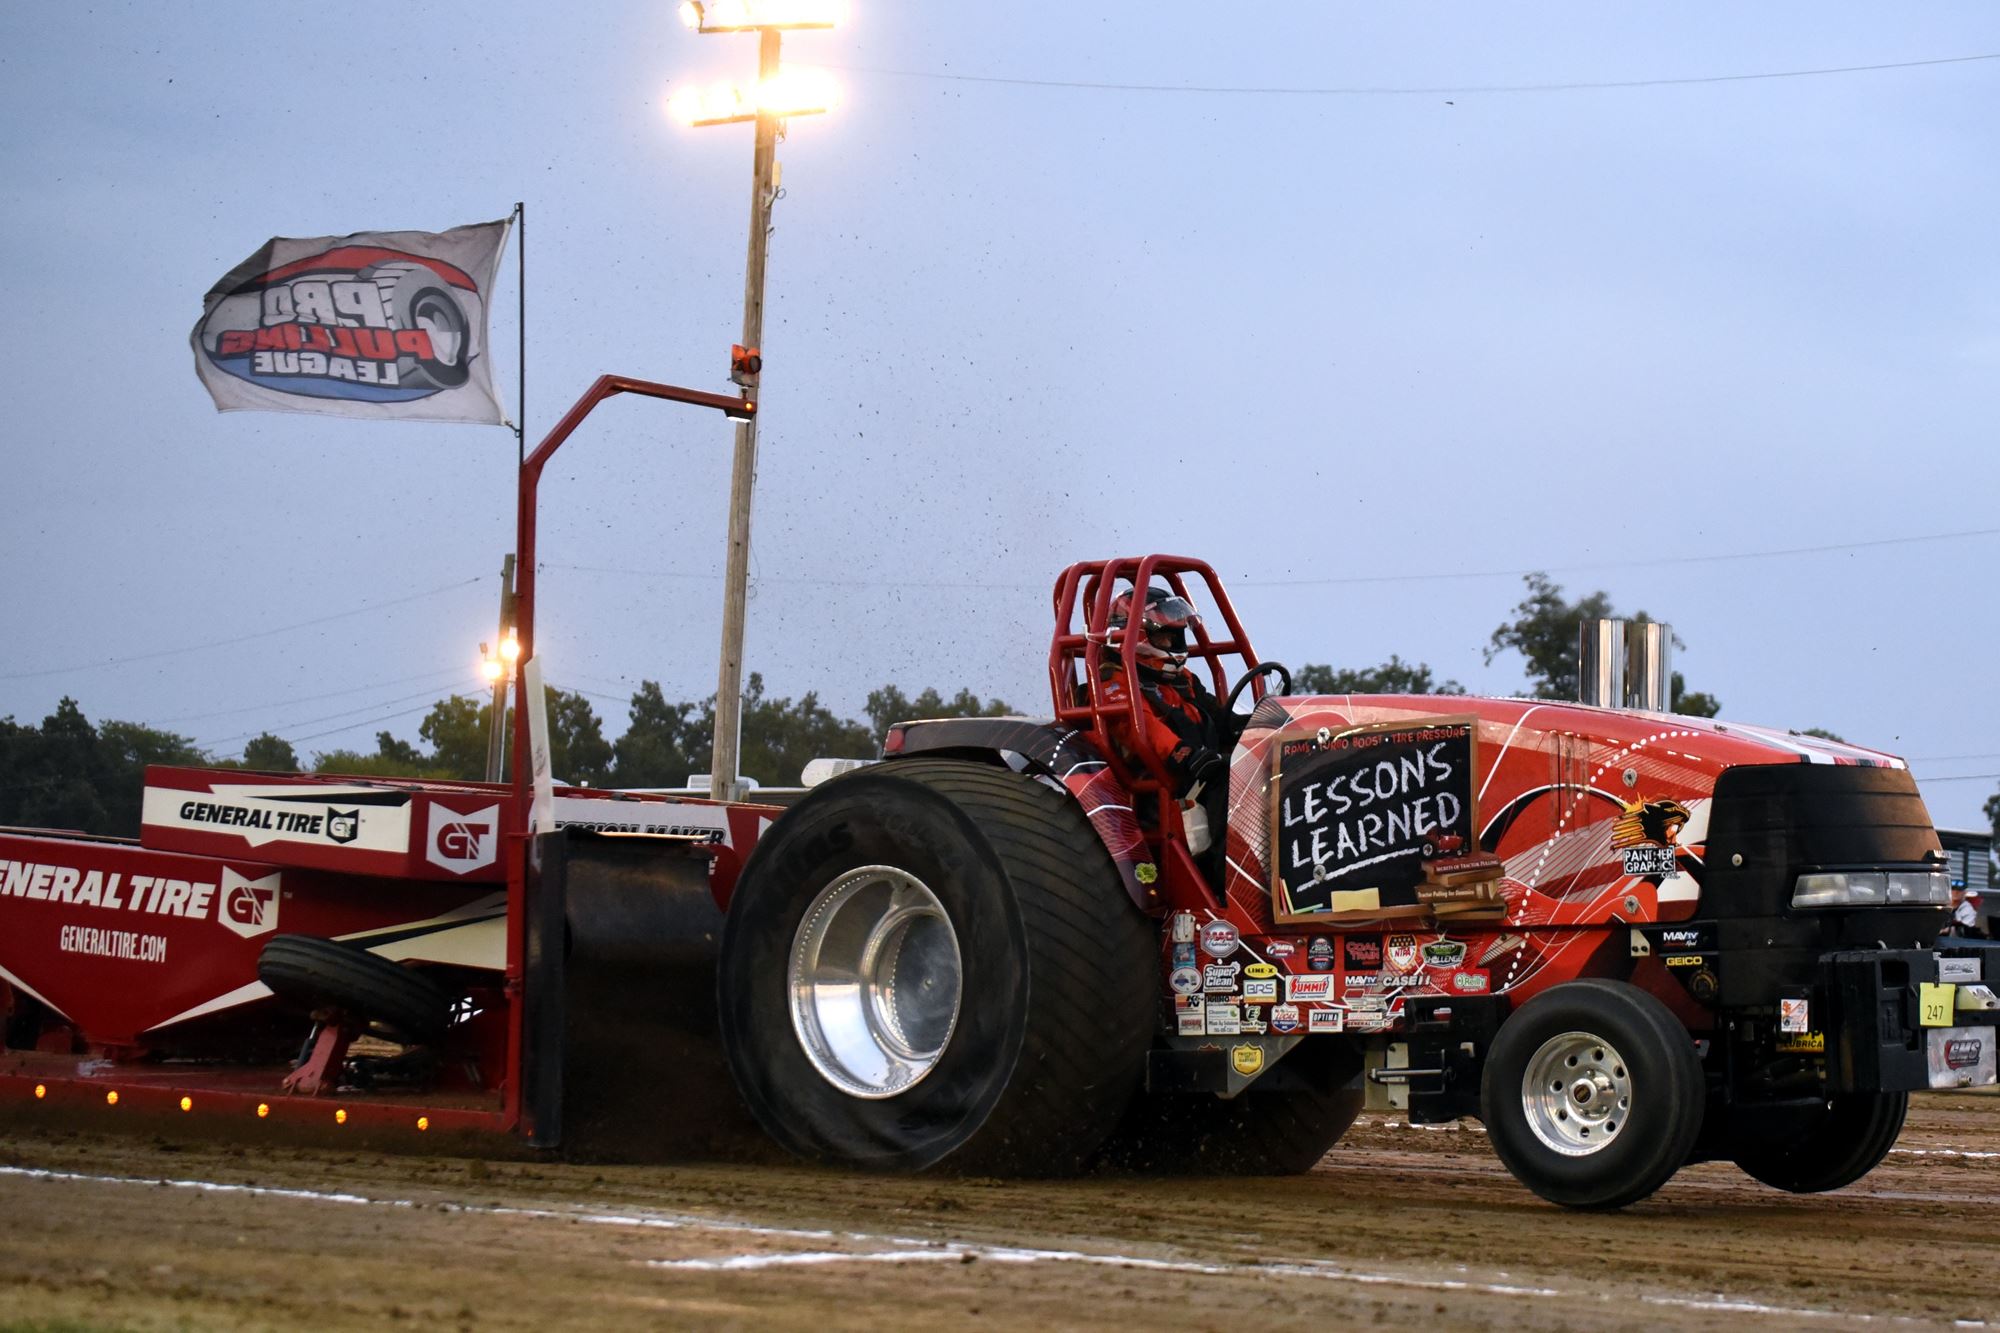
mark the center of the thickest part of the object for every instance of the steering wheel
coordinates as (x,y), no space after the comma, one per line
(1261,669)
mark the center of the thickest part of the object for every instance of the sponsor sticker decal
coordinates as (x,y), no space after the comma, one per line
(1219,976)
(1402,954)
(1962,971)
(1471,981)
(1362,952)
(1319,954)
(1188,1024)
(1218,939)
(1183,927)
(1246,1059)
(1281,948)
(1223,1020)
(1184,981)
(1642,862)
(1309,986)
(463,843)
(1264,990)
(1444,953)
(1184,955)
(1285,1018)
(343,826)
(1326,1020)
(1260,971)
(1794,1016)
(248,907)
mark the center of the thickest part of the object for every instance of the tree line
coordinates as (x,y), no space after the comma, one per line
(69,773)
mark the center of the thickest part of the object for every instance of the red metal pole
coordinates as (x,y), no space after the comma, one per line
(605,386)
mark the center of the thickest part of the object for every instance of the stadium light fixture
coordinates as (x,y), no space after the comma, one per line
(791,92)
(756,15)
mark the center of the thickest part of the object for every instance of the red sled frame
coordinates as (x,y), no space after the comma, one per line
(157,1093)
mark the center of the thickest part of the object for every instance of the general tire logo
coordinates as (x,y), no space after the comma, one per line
(463,843)
(249,906)
(343,826)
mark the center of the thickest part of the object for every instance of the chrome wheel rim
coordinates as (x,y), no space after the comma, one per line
(876,981)
(1577,1093)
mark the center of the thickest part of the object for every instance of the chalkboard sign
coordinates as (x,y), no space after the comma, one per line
(1359,817)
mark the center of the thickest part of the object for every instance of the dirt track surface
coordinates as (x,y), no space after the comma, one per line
(1398,1226)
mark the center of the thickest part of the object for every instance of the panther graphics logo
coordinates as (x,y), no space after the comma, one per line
(343,826)
(357,321)
(463,843)
(249,906)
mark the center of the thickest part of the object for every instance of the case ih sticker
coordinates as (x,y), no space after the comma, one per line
(377,325)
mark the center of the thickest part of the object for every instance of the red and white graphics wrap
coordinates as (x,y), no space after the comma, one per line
(123,941)
(377,325)
(1587,826)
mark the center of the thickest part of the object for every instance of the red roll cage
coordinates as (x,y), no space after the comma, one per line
(1083,597)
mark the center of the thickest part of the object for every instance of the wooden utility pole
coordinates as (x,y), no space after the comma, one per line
(496,726)
(723,779)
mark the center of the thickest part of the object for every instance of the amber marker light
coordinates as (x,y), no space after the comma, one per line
(187,1103)
(111,1098)
(263,1109)
(340,1116)
(423,1122)
(41,1091)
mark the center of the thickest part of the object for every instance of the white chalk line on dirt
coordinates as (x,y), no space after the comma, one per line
(930,1252)
(913,1249)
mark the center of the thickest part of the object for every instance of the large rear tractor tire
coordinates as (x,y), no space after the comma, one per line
(933,963)
(1282,1125)
(1825,1148)
(1593,1094)
(328,974)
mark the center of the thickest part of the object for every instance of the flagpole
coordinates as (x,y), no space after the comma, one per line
(521,330)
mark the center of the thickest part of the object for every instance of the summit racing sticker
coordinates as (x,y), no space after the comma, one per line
(373,324)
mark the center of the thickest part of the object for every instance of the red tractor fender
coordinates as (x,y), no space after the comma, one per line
(1065,756)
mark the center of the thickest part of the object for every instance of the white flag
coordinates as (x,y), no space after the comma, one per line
(382,325)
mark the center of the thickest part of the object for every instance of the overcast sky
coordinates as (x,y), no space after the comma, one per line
(1328,340)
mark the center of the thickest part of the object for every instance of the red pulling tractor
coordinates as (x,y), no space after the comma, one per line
(1624,941)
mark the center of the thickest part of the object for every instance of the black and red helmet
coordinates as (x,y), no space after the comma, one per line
(1165,619)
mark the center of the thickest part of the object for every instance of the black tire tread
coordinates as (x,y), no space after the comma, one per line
(315,972)
(1260,1132)
(1090,1012)
(1832,1154)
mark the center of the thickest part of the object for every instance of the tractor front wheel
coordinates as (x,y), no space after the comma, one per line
(1592,1094)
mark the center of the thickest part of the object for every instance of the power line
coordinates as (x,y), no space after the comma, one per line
(244,638)
(1376,91)
(1963,777)
(386,717)
(310,698)
(330,717)
(1831,548)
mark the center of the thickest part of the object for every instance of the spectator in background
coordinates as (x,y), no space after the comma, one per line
(1967,919)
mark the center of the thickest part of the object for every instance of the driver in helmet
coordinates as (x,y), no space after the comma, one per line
(1183,725)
